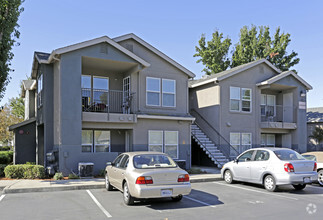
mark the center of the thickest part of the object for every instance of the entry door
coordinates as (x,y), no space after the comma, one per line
(288,107)
(126,95)
(287,140)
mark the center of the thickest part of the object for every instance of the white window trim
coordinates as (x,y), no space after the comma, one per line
(240,139)
(159,79)
(250,139)
(171,144)
(163,141)
(169,92)
(240,100)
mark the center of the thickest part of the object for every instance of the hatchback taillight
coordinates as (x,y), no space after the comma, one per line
(183,178)
(288,167)
(315,166)
(144,180)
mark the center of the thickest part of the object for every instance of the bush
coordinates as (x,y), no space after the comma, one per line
(58,176)
(2,166)
(24,171)
(73,176)
(5,148)
(102,173)
(6,157)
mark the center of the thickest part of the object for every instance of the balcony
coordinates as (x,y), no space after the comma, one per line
(278,117)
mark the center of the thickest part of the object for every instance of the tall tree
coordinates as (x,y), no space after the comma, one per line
(254,45)
(317,135)
(9,13)
(214,55)
(17,107)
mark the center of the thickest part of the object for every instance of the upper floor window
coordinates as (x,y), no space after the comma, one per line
(240,99)
(160,92)
(39,90)
(268,105)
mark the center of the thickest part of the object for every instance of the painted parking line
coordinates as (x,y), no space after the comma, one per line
(99,204)
(198,201)
(1,197)
(252,190)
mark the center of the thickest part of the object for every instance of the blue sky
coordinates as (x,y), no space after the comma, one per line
(174,27)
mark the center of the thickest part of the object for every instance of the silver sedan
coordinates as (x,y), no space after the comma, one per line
(143,175)
(271,167)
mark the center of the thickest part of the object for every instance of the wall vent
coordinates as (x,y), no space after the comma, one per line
(104,48)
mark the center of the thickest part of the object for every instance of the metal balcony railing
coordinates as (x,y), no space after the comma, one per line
(108,101)
(278,113)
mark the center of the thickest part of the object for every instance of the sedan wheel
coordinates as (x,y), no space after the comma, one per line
(270,183)
(177,198)
(228,177)
(299,186)
(127,198)
(108,186)
(320,177)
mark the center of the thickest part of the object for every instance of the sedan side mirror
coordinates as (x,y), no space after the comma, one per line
(109,164)
(235,160)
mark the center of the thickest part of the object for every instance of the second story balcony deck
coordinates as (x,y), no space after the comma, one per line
(278,117)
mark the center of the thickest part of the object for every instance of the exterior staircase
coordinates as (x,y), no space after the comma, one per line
(208,146)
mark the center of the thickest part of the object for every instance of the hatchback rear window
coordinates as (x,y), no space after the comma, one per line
(153,161)
(288,155)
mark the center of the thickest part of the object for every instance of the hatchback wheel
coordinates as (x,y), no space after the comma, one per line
(108,186)
(299,186)
(177,198)
(320,177)
(270,183)
(127,198)
(228,178)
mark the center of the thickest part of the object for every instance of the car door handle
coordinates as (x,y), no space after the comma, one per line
(122,174)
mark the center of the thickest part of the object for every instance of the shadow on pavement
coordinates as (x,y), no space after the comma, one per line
(194,200)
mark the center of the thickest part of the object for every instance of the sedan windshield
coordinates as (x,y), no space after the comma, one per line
(288,155)
(153,161)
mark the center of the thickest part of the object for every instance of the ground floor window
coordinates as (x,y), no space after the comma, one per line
(240,141)
(163,141)
(267,140)
(96,141)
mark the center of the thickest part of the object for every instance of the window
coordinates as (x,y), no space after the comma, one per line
(169,93)
(246,156)
(160,92)
(262,155)
(171,143)
(39,89)
(95,141)
(268,105)
(100,89)
(117,161)
(155,141)
(240,99)
(268,140)
(153,91)
(241,141)
(164,141)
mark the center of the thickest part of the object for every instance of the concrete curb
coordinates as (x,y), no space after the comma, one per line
(9,190)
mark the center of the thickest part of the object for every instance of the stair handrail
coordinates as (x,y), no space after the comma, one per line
(218,133)
(203,144)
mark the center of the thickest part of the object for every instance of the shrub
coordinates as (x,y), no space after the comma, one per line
(5,148)
(2,166)
(58,176)
(24,171)
(73,176)
(102,173)
(6,157)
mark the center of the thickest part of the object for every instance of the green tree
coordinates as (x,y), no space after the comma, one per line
(17,107)
(9,13)
(214,55)
(317,135)
(256,43)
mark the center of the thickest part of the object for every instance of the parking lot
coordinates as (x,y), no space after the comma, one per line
(212,200)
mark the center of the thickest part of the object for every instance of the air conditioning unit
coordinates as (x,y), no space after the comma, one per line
(86,169)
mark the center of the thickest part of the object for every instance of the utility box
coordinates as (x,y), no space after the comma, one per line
(86,169)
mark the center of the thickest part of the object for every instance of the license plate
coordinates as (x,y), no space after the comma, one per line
(307,180)
(166,192)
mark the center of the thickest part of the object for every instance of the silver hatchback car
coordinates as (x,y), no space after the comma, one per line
(271,167)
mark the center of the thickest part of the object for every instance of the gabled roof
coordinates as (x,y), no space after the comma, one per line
(154,50)
(283,75)
(315,114)
(231,72)
(95,41)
